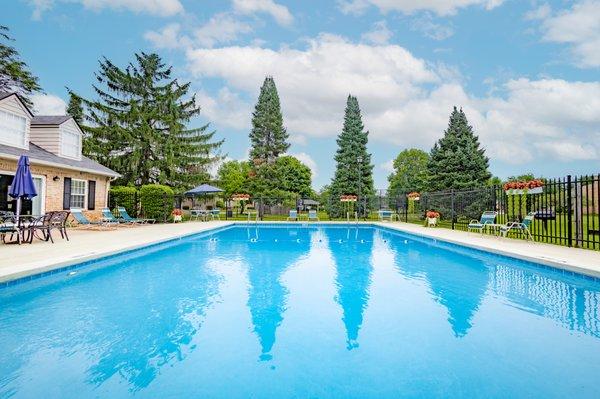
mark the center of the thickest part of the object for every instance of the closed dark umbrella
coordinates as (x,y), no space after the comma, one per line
(22,186)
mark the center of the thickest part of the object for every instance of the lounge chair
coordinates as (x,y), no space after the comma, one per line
(84,223)
(107,216)
(312,215)
(385,214)
(125,216)
(488,218)
(293,215)
(8,225)
(519,227)
(215,214)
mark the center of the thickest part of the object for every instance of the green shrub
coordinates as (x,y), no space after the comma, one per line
(156,201)
(124,196)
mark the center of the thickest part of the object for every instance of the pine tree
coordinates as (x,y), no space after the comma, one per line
(14,73)
(354,171)
(268,136)
(75,107)
(138,125)
(456,160)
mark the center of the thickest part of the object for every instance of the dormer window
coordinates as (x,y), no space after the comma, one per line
(70,145)
(13,129)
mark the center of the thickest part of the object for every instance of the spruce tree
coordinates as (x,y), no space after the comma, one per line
(456,160)
(14,73)
(268,136)
(138,125)
(75,107)
(354,171)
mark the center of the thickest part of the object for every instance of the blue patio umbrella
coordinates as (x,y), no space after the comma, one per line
(22,185)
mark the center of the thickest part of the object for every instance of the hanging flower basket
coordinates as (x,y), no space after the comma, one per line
(415,196)
(348,198)
(524,187)
(240,197)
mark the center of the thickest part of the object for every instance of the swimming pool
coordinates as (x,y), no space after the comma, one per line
(293,311)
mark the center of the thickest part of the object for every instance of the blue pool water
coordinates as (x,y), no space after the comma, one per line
(302,312)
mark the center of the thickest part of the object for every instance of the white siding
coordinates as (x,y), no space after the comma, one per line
(71,127)
(47,137)
(13,105)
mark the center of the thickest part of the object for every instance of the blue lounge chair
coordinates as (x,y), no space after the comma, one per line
(84,222)
(488,218)
(108,217)
(125,216)
(312,215)
(215,214)
(386,214)
(293,215)
(519,227)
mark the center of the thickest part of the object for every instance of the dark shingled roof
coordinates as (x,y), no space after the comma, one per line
(50,119)
(36,153)
(4,94)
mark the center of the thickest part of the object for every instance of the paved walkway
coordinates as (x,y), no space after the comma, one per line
(23,260)
(582,261)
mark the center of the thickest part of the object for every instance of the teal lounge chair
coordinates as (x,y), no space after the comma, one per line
(125,216)
(108,217)
(293,215)
(215,214)
(85,223)
(385,214)
(312,215)
(488,218)
(522,227)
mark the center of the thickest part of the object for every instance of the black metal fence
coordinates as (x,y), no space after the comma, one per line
(566,209)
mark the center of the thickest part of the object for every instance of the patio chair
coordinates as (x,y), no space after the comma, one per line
(488,218)
(58,221)
(43,225)
(519,227)
(8,225)
(107,216)
(84,223)
(125,216)
(215,214)
(385,214)
(293,215)
(312,215)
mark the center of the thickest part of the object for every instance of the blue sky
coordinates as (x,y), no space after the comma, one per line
(527,73)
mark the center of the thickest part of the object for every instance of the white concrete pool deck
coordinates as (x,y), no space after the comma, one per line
(18,261)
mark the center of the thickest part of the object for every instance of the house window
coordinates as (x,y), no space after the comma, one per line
(78,193)
(13,128)
(70,144)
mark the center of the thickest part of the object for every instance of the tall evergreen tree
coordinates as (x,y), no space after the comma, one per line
(268,136)
(138,125)
(354,171)
(75,107)
(456,160)
(14,73)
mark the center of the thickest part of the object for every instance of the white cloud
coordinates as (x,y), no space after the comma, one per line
(440,7)
(165,8)
(380,34)
(431,29)
(280,13)
(221,28)
(405,101)
(541,12)
(387,166)
(308,161)
(578,27)
(168,38)
(48,104)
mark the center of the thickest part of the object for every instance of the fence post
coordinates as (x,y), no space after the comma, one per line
(452,202)
(569,213)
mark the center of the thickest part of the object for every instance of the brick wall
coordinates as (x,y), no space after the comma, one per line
(54,189)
